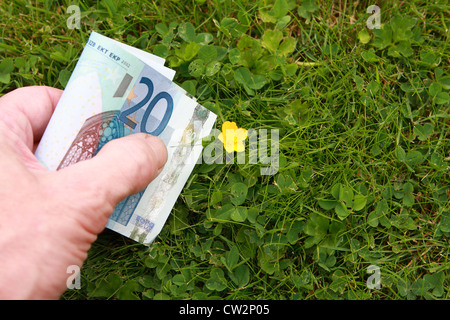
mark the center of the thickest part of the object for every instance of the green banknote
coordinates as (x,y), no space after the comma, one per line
(116,90)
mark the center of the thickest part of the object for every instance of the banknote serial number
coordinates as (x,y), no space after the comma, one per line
(228,309)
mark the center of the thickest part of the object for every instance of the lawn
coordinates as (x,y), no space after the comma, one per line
(360,101)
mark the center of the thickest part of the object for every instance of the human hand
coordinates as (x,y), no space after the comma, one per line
(48,220)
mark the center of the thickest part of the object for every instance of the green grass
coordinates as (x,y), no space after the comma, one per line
(363,117)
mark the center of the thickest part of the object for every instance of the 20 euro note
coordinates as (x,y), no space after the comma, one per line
(116,90)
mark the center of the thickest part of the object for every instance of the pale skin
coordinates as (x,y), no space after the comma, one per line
(48,219)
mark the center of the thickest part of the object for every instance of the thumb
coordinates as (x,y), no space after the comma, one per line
(122,167)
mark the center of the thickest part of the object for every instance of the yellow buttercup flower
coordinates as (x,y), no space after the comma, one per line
(233,137)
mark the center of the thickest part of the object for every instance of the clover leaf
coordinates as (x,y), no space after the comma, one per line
(423,132)
(217,280)
(307,8)
(6,67)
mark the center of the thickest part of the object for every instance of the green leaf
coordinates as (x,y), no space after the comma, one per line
(286,183)
(20,63)
(294,230)
(437,282)
(359,202)
(161,296)
(434,89)
(231,258)
(373,87)
(283,22)
(245,77)
(161,50)
(187,51)
(364,36)
(445,82)
(372,219)
(64,77)
(414,158)
(178,221)
(408,187)
(6,67)
(347,196)
(330,49)
(216,197)
(401,28)
(280,9)
(231,27)
(341,211)
(250,51)
(235,56)
(196,68)
(240,276)
(307,8)
(404,287)
(217,280)
(444,223)
(267,262)
(429,58)
(339,282)
(382,208)
(287,46)
(179,279)
(437,161)
(385,222)
(309,5)
(383,37)
(106,287)
(291,69)
(400,153)
(127,291)
(423,132)
(207,53)
(370,56)
(359,82)
(224,213)
(337,191)
(239,214)
(271,39)
(420,287)
(238,193)
(379,214)
(204,38)
(327,204)
(316,228)
(186,31)
(161,28)
(403,221)
(403,48)
(442,98)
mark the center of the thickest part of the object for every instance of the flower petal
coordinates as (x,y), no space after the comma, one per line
(241,134)
(229,125)
(229,146)
(239,146)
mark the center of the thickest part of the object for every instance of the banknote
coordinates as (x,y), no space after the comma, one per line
(116,90)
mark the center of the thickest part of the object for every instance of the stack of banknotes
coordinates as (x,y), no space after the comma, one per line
(116,90)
